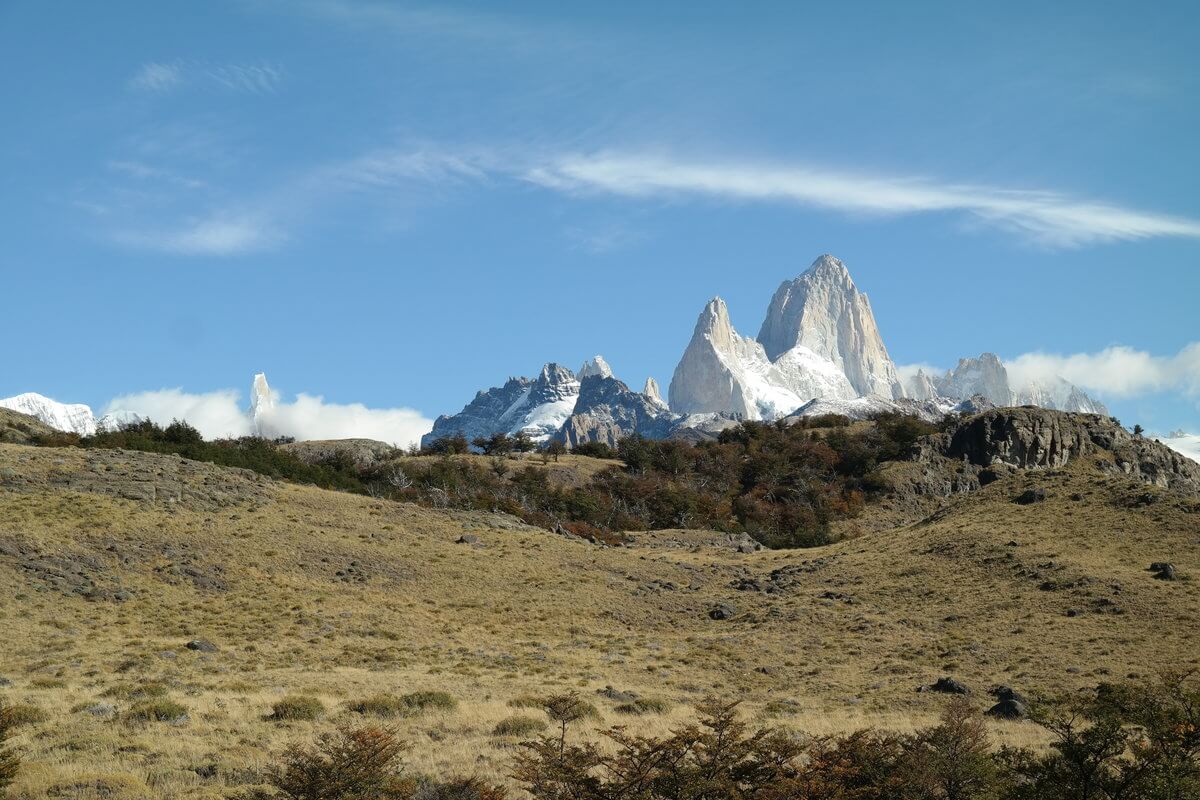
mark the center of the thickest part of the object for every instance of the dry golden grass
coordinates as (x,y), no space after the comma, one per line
(342,597)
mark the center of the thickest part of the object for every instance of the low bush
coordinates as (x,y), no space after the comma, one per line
(519,726)
(297,707)
(158,710)
(363,764)
(146,690)
(644,705)
(387,706)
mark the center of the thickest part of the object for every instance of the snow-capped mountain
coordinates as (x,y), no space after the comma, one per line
(538,407)
(724,372)
(115,420)
(825,312)
(986,376)
(819,340)
(69,417)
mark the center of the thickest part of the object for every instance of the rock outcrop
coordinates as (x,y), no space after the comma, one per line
(363,453)
(1040,438)
(825,312)
(596,365)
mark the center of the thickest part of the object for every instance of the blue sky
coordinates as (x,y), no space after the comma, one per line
(399,204)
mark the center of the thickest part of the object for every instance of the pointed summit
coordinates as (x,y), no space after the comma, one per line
(825,312)
(262,401)
(596,365)
(651,391)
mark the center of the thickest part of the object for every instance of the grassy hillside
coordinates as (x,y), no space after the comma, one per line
(111,561)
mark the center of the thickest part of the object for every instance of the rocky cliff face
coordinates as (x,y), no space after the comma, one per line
(825,312)
(1036,438)
(723,372)
(651,391)
(608,411)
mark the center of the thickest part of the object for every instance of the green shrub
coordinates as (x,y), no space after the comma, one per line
(147,690)
(644,705)
(523,727)
(159,710)
(387,706)
(297,707)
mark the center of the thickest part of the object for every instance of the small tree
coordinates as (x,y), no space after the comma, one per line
(1138,430)
(523,443)
(351,764)
(952,760)
(555,449)
(498,444)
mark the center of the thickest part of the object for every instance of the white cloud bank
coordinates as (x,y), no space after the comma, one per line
(1187,444)
(1049,218)
(221,413)
(1118,371)
(214,236)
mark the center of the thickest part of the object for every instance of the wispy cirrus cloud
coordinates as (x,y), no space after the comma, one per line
(158,77)
(218,235)
(1047,217)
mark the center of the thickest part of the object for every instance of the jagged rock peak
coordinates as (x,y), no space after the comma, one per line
(985,375)
(651,391)
(596,365)
(262,401)
(824,311)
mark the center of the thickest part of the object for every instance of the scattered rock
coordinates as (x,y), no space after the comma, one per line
(201,646)
(1008,709)
(1030,496)
(468,538)
(722,611)
(101,710)
(1009,693)
(4,682)
(947,686)
(617,695)
(1164,571)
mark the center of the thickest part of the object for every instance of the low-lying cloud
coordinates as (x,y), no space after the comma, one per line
(1118,371)
(222,414)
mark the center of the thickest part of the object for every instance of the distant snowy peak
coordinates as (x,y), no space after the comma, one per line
(538,407)
(68,417)
(721,371)
(987,376)
(596,365)
(117,419)
(824,311)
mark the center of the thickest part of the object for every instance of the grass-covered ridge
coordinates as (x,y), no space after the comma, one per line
(782,484)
